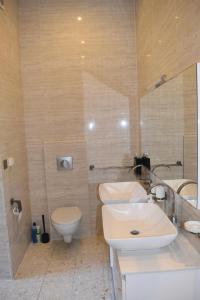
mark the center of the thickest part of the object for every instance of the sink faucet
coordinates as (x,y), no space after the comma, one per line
(172,216)
(184,184)
(145,182)
(132,168)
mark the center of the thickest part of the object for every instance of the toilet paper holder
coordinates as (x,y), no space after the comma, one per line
(17,203)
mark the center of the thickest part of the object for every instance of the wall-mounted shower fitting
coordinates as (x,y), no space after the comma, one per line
(157,83)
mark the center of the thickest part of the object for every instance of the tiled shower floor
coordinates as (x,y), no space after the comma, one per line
(57,271)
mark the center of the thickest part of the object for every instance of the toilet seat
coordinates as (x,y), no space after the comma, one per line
(66,215)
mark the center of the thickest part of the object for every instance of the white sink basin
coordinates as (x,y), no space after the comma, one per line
(122,192)
(154,227)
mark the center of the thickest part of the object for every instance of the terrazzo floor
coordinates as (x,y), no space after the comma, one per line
(57,271)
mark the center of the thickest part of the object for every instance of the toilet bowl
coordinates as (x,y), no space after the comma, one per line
(66,220)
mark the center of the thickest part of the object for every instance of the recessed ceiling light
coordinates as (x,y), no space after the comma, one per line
(79,18)
(82,42)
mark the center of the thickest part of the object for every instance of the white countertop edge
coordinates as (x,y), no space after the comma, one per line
(180,255)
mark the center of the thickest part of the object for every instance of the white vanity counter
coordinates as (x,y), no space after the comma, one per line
(169,273)
(179,255)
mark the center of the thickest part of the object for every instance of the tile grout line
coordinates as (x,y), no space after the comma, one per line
(76,264)
(42,284)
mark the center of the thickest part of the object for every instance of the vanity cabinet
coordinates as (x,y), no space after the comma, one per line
(119,280)
(175,285)
(170,273)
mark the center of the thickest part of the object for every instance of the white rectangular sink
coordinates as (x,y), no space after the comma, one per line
(150,224)
(122,192)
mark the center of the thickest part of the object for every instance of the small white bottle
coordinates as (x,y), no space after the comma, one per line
(38,234)
(160,192)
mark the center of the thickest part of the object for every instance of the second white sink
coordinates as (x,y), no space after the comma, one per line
(137,226)
(122,192)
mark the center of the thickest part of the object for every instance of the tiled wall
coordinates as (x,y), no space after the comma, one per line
(80,96)
(14,235)
(190,122)
(168,36)
(5,259)
(168,118)
(162,127)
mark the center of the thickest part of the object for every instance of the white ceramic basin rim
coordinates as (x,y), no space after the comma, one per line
(122,192)
(154,228)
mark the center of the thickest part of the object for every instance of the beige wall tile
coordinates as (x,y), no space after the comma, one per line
(67,188)
(14,182)
(67,86)
(169,32)
(168,36)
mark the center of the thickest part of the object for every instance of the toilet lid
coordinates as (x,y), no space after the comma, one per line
(64,215)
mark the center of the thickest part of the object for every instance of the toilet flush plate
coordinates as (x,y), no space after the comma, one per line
(64,163)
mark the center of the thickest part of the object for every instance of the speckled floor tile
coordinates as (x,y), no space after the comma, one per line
(4,287)
(56,290)
(23,289)
(58,271)
(35,262)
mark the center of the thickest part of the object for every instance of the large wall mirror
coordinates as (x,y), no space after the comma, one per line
(169,131)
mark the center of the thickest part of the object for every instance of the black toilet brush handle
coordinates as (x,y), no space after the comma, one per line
(43,223)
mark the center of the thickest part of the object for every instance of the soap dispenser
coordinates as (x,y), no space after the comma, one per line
(137,161)
(146,161)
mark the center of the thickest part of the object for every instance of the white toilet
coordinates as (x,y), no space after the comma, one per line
(66,220)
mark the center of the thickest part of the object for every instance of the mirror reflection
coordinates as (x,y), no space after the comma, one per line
(169,132)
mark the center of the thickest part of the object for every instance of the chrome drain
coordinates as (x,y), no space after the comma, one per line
(134,232)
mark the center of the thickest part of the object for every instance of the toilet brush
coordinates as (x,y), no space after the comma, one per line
(45,235)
